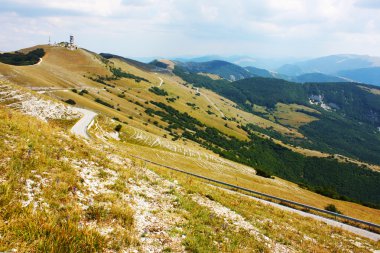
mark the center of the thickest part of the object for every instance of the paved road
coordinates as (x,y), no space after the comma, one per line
(80,128)
(352,229)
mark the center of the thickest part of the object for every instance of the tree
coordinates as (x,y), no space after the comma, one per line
(332,208)
(70,101)
(118,128)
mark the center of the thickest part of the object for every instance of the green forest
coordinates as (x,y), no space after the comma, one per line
(349,129)
(21,59)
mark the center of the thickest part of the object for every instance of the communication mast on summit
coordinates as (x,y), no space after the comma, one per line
(71,45)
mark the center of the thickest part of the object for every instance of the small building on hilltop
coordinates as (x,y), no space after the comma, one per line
(69,45)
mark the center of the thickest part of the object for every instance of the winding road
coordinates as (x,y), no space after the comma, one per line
(80,128)
(343,226)
(214,105)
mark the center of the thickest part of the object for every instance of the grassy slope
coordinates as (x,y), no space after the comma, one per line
(56,58)
(237,174)
(38,152)
(55,223)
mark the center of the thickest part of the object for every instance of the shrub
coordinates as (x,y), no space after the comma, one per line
(98,100)
(70,101)
(82,92)
(262,173)
(332,208)
(118,128)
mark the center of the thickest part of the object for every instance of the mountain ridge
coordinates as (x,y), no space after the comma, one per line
(164,118)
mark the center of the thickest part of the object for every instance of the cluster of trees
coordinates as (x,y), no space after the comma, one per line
(21,59)
(158,91)
(326,176)
(119,73)
(98,100)
(104,79)
(192,105)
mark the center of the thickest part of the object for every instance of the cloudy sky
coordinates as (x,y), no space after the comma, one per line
(169,28)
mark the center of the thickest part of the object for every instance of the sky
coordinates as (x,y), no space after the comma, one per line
(174,28)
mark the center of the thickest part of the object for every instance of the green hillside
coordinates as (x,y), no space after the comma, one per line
(326,176)
(349,127)
(226,70)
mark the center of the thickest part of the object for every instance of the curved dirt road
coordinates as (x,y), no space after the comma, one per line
(80,128)
(161,81)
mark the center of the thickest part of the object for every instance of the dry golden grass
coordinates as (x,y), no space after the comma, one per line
(288,115)
(375,91)
(297,232)
(242,176)
(45,148)
(170,63)
(59,69)
(67,69)
(54,221)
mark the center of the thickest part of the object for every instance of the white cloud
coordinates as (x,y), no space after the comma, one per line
(94,7)
(169,27)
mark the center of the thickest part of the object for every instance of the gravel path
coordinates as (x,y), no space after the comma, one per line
(212,103)
(161,81)
(80,128)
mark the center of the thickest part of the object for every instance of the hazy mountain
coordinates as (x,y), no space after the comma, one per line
(335,68)
(259,72)
(317,78)
(363,75)
(290,70)
(223,69)
(204,58)
(330,64)
(242,60)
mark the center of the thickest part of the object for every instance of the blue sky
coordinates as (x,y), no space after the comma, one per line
(169,28)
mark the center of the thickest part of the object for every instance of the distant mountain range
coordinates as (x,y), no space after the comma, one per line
(358,68)
(242,60)
(363,75)
(333,64)
(333,68)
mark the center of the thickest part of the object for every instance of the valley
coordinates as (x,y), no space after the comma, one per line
(240,133)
